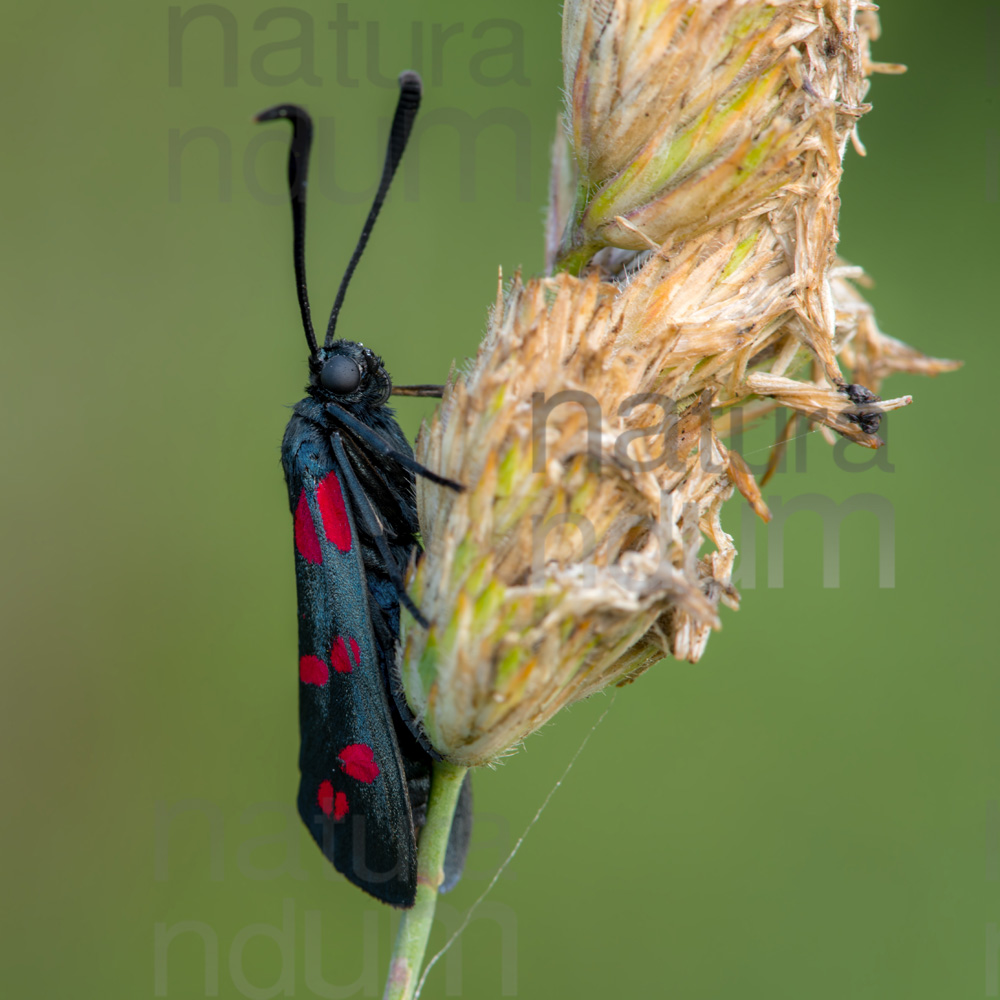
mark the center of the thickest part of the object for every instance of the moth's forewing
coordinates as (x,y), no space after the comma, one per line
(353,792)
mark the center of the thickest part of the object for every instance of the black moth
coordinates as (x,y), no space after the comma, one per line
(364,761)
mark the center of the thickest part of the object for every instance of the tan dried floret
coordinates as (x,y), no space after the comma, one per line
(695,191)
(572,541)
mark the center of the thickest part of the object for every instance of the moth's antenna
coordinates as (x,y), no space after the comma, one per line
(298,176)
(406,110)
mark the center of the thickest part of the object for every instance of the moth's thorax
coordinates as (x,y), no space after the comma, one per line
(349,374)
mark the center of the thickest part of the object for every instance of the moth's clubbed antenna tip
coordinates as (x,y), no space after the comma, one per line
(279,111)
(409,81)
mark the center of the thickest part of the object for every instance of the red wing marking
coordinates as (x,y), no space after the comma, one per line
(339,806)
(339,659)
(325,797)
(333,512)
(306,541)
(355,652)
(358,761)
(312,670)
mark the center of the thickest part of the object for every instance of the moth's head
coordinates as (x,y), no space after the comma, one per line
(348,373)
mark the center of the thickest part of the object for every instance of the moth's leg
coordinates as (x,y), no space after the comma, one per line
(378,444)
(437,391)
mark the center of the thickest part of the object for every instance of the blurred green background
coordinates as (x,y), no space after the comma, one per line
(809,812)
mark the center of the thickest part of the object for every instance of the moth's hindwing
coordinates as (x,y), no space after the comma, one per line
(353,793)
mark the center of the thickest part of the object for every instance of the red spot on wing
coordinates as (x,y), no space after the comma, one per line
(355,652)
(333,512)
(312,670)
(338,656)
(325,797)
(358,761)
(306,542)
(339,806)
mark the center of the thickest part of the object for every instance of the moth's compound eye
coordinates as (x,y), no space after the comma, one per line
(340,374)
